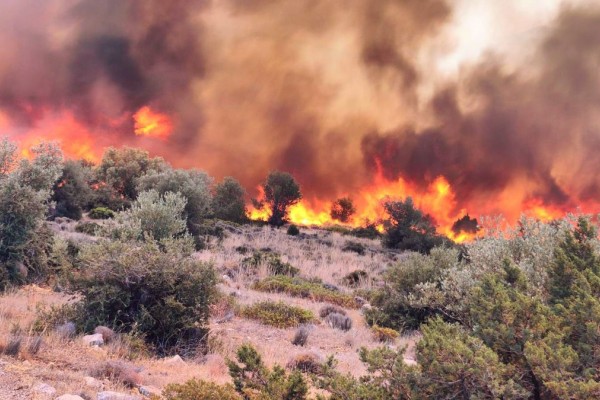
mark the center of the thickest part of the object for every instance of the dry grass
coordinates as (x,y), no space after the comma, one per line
(65,362)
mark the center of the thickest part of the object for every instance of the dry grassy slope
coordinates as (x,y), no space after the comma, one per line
(316,253)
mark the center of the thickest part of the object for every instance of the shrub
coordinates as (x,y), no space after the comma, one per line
(229,202)
(254,380)
(197,389)
(369,231)
(298,287)
(354,278)
(408,228)
(326,310)
(293,230)
(121,168)
(118,371)
(354,247)
(87,227)
(277,314)
(306,363)
(193,185)
(155,289)
(72,192)
(339,321)
(281,192)
(25,189)
(382,334)
(272,261)
(301,335)
(160,216)
(101,213)
(342,209)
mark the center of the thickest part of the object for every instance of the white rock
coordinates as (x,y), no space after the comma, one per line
(92,382)
(116,396)
(69,397)
(44,389)
(93,340)
(150,390)
(175,360)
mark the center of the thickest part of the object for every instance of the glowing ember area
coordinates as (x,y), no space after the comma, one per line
(152,124)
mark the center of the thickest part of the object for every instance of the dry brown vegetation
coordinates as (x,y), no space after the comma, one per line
(67,364)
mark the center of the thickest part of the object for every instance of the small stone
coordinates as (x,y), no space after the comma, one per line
(107,395)
(93,340)
(44,389)
(150,391)
(69,397)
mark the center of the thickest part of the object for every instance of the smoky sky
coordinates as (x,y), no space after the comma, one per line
(327,90)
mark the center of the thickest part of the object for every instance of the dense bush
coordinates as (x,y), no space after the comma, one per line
(342,209)
(101,213)
(281,191)
(229,201)
(299,287)
(354,247)
(192,185)
(272,261)
(87,227)
(197,389)
(408,228)
(293,230)
(25,190)
(254,380)
(338,321)
(277,314)
(160,216)
(120,169)
(155,289)
(72,192)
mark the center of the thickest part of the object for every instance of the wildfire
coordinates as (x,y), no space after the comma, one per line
(152,124)
(437,199)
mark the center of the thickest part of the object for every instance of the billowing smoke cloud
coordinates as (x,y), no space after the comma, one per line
(330,91)
(533,132)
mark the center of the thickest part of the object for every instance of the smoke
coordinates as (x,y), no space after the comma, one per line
(532,132)
(331,91)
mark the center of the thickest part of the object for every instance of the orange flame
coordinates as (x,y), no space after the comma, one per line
(437,199)
(152,124)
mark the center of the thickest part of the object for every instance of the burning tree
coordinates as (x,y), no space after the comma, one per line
(281,192)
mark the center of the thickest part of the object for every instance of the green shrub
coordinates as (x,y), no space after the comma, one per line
(101,213)
(72,192)
(254,380)
(229,201)
(382,334)
(299,287)
(87,227)
(272,261)
(155,289)
(369,231)
(408,228)
(293,230)
(196,389)
(277,314)
(281,191)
